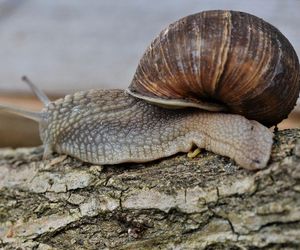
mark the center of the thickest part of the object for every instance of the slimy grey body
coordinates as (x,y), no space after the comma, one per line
(110,127)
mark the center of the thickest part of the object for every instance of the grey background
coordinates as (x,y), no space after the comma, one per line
(69,45)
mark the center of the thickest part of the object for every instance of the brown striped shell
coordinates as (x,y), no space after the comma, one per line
(221,60)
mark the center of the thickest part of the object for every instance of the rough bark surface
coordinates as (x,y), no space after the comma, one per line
(177,203)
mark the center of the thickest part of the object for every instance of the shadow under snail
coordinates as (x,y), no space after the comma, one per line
(232,63)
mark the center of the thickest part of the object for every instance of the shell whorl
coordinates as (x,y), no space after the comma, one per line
(222,59)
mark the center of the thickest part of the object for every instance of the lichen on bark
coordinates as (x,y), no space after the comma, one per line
(207,202)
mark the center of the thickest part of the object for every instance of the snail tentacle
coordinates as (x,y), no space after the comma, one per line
(37,91)
(36,116)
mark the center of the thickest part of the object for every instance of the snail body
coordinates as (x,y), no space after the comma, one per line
(110,127)
(208,61)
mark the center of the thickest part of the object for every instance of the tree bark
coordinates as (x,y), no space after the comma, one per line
(206,202)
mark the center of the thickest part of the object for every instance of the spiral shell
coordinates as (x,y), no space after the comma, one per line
(221,60)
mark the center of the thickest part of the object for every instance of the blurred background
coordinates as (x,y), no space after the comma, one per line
(65,46)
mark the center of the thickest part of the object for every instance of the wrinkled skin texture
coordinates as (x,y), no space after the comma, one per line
(110,127)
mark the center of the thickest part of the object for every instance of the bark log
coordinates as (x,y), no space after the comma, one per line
(177,203)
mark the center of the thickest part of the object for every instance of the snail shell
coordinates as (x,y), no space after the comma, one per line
(221,60)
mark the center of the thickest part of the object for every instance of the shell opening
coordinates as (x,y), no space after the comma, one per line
(179,103)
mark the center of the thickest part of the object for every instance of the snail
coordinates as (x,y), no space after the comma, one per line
(214,80)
